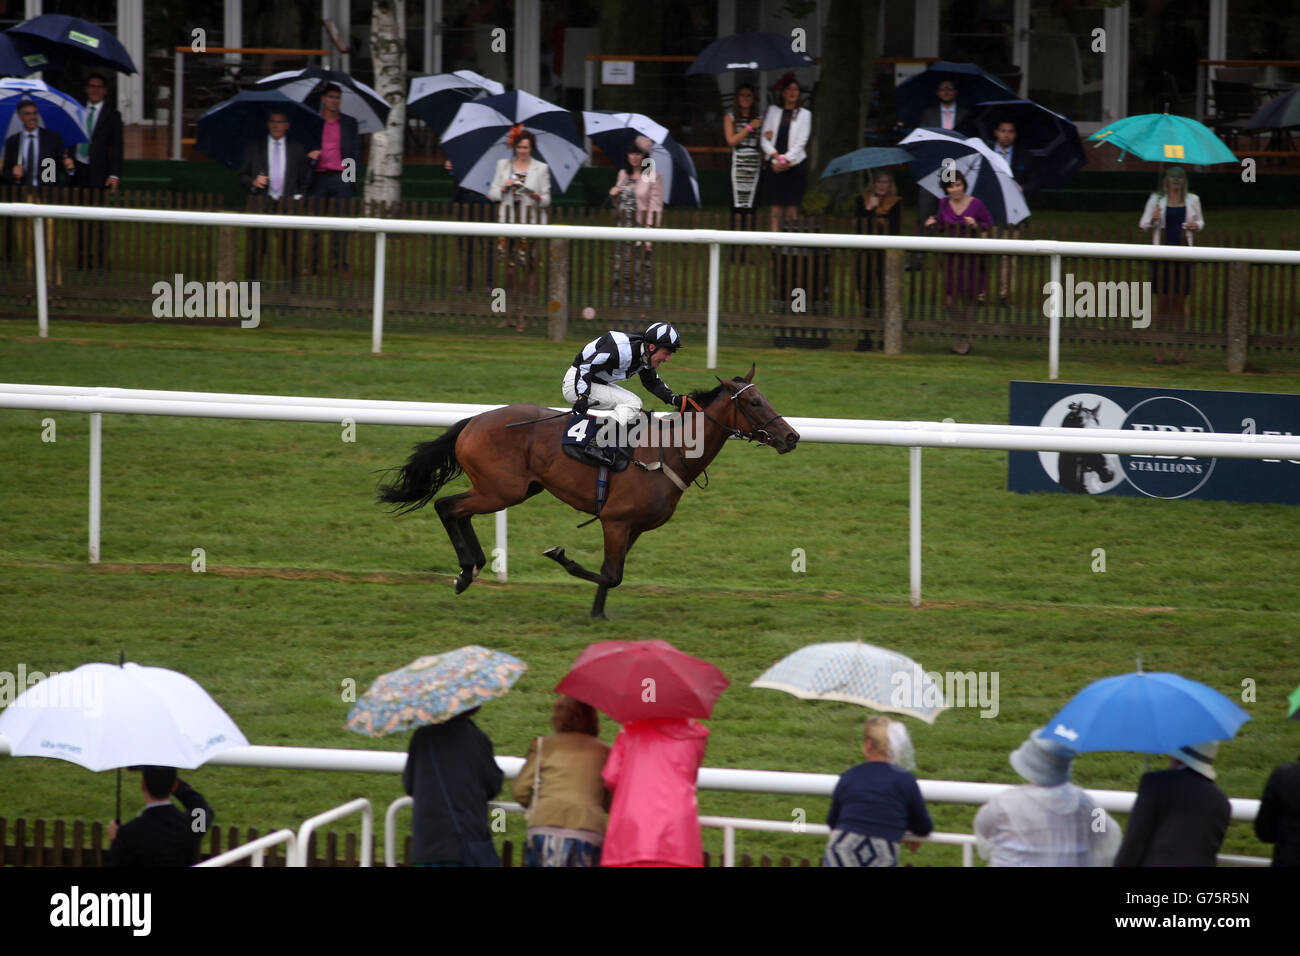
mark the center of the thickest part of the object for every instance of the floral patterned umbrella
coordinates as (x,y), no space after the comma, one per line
(434,689)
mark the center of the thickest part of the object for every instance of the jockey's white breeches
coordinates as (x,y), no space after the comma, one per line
(624,403)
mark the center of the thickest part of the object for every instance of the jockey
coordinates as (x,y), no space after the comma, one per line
(615,356)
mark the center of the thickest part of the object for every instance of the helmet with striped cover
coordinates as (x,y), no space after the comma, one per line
(663,335)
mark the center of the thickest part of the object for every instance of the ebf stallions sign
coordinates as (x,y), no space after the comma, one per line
(1057,404)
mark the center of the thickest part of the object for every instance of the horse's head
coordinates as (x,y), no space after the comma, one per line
(754,416)
(1080,414)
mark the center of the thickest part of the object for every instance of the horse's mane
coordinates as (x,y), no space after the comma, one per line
(704,396)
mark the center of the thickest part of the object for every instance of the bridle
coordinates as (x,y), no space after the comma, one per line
(759,433)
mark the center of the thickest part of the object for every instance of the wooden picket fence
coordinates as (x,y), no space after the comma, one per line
(43,842)
(794,294)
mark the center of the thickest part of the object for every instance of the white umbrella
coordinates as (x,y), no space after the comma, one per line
(476,138)
(857,673)
(436,98)
(988,177)
(359,101)
(614,132)
(103,716)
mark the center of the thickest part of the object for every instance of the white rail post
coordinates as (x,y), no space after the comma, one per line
(715,259)
(728,846)
(96,471)
(914,516)
(1054,334)
(499,552)
(377,321)
(42,306)
(967,855)
(178,100)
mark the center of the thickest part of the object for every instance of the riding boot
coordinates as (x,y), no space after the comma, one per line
(597,453)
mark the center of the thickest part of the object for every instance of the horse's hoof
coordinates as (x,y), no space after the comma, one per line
(462,582)
(555,554)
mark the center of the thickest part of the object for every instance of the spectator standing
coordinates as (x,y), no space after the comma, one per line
(655,818)
(334,174)
(1173,214)
(873,805)
(1004,144)
(1048,822)
(561,788)
(276,173)
(638,196)
(742,130)
(1278,820)
(521,188)
(1180,816)
(161,835)
(961,214)
(943,113)
(35,162)
(96,168)
(451,774)
(786,130)
(879,212)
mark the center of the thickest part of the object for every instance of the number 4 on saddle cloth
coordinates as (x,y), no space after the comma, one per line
(594,441)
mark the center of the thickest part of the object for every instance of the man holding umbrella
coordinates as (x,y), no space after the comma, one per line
(1004,144)
(161,835)
(333,177)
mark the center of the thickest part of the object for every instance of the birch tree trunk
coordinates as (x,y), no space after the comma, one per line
(388,51)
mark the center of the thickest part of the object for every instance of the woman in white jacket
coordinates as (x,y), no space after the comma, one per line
(1173,215)
(522,188)
(786,130)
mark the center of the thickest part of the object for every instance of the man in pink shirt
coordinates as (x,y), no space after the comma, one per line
(334,174)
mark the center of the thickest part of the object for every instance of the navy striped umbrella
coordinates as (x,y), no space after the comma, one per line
(614,132)
(476,139)
(435,99)
(359,101)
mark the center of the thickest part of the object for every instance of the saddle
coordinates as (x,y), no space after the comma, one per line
(578,442)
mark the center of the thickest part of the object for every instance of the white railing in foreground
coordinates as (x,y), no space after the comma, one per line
(914,435)
(257,849)
(713,238)
(362,805)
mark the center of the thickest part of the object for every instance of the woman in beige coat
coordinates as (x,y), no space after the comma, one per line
(522,189)
(560,785)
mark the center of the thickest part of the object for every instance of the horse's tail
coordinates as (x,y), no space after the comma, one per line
(431,465)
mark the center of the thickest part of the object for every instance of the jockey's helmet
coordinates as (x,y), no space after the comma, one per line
(663,335)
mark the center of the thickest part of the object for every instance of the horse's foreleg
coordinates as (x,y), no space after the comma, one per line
(618,540)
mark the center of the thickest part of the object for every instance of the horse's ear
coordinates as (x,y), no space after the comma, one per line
(750,376)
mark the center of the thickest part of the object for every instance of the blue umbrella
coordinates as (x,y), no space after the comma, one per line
(988,177)
(19,56)
(435,99)
(1162,138)
(1278,113)
(476,139)
(914,94)
(749,51)
(63,38)
(226,128)
(1152,713)
(869,157)
(59,111)
(1049,137)
(614,132)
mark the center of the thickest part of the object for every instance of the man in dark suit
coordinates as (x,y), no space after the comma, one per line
(1180,816)
(1022,170)
(334,176)
(162,835)
(95,167)
(276,172)
(33,162)
(944,113)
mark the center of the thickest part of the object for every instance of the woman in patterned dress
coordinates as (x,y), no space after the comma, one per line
(638,196)
(741,128)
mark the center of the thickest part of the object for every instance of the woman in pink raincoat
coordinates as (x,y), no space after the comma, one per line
(655,820)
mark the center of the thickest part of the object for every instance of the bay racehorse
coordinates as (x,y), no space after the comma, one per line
(513,453)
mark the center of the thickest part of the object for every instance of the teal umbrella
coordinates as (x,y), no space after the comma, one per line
(869,157)
(434,689)
(1162,138)
(1294,700)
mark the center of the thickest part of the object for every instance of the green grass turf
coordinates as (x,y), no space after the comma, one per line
(309,584)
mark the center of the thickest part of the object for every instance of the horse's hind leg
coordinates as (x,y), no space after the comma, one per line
(455,526)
